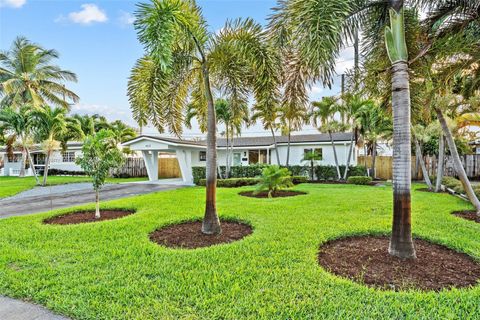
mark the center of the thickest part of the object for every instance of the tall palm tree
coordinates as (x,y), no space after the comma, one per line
(15,123)
(49,125)
(314,29)
(269,115)
(323,117)
(121,132)
(180,55)
(27,75)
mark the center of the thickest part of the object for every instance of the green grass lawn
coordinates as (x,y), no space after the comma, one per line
(10,186)
(110,270)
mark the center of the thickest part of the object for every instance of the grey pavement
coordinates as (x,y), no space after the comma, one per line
(11,309)
(16,206)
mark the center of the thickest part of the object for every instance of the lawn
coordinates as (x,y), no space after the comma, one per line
(13,185)
(110,270)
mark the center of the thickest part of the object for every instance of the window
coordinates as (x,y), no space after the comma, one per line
(68,156)
(317,151)
(237,159)
(203,156)
(15,158)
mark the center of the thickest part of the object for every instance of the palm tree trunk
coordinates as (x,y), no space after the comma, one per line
(440,164)
(275,144)
(312,170)
(97,204)
(419,155)
(401,243)
(339,176)
(211,223)
(23,163)
(374,159)
(458,164)
(227,156)
(365,151)
(348,158)
(32,165)
(45,171)
(288,150)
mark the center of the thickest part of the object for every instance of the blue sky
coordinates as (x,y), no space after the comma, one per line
(96,40)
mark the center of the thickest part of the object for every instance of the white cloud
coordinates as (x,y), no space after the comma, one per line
(111,113)
(12,3)
(89,14)
(126,18)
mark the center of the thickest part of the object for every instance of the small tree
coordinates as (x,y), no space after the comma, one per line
(274,178)
(100,155)
(312,157)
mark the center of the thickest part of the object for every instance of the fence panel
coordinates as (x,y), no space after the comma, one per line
(168,168)
(132,167)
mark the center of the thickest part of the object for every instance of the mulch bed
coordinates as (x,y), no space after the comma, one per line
(88,216)
(468,215)
(278,194)
(365,259)
(189,235)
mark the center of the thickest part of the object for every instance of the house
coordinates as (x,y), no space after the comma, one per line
(246,151)
(60,160)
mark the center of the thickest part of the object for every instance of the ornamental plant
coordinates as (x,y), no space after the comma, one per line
(99,155)
(274,178)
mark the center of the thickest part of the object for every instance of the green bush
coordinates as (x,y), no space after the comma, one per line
(274,178)
(452,183)
(361,180)
(232,182)
(330,172)
(299,179)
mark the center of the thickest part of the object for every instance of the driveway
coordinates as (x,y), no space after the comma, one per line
(11,309)
(64,196)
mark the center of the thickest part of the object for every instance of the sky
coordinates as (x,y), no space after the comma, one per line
(97,41)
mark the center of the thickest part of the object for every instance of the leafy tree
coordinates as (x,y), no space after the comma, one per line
(312,157)
(100,154)
(27,75)
(274,178)
(49,126)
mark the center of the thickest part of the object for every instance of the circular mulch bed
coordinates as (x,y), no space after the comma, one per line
(468,215)
(278,194)
(87,216)
(189,235)
(365,259)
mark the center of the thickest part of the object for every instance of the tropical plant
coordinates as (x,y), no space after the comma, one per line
(14,123)
(27,75)
(48,126)
(100,154)
(274,178)
(323,117)
(312,157)
(121,131)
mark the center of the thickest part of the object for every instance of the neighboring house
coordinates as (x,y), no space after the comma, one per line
(246,151)
(60,160)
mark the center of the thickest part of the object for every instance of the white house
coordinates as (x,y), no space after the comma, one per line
(60,160)
(246,151)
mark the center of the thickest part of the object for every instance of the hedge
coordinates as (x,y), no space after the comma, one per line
(361,180)
(322,172)
(240,182)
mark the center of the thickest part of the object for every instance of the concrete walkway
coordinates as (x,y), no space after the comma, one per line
(11,309)
(68,197)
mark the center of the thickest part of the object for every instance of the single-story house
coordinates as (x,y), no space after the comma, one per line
(246,151)
(60,160)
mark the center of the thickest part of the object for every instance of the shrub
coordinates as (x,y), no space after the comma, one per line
(361,180)
(231,182)
(330,172)
(452,183)
(274,178)
(299,179)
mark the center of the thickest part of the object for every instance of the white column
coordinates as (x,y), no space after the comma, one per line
(155,165)
(184,158)
(147,157)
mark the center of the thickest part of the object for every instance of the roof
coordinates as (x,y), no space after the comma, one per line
(261,141)
(38,148)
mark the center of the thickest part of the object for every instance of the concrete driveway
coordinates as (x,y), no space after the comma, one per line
(20,205)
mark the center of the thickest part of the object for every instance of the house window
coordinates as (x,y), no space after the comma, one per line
(68,156)
(203,156)
(15,158)
(318,151)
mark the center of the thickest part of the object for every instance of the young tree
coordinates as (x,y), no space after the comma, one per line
(100,154)
(312,157)
(27,75)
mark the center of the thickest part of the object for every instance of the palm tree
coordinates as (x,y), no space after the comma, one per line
(421,135)
(315,30)
(27,75)
(15,122)
(312,157)
(268,115)
(180,55)
(323,117)
(121,132)
(49,125)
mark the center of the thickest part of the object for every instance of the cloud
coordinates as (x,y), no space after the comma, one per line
(89,14)
(116,113)
(126,18)
(12,3)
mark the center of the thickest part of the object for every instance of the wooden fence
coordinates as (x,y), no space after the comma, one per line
(383,166)
(135,167)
